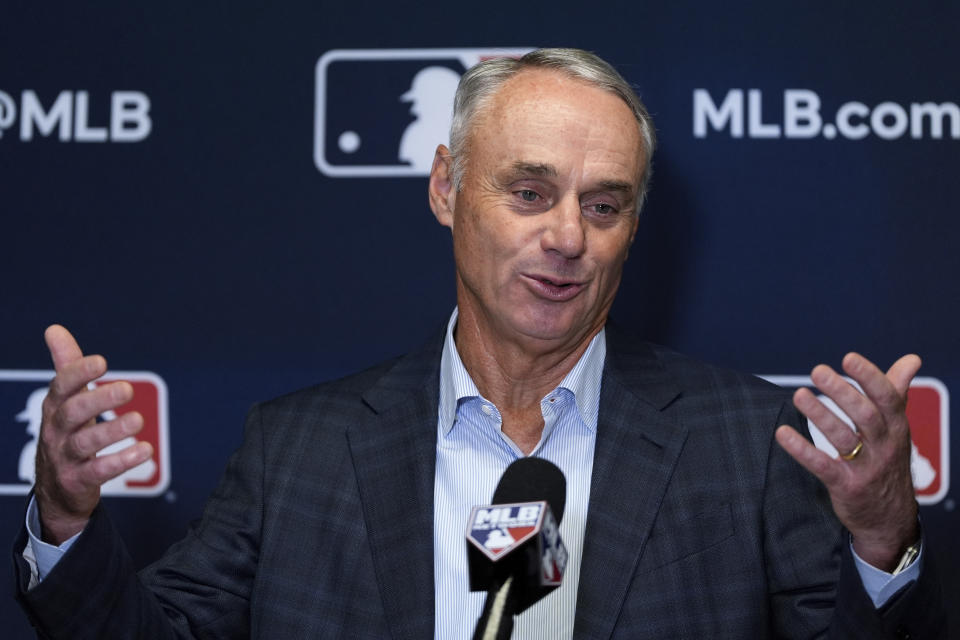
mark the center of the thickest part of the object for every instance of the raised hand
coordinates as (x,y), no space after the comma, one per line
(69,473)
(869,484)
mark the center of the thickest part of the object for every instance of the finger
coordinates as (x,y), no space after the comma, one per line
(62,345)
(877,386)
(838,432)
(82,407)
(86,442)
(861,409)
(825,468)
(903,371)
(103,468)
(75,376)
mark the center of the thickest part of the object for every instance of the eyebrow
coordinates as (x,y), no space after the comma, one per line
(521,168)
(616,185)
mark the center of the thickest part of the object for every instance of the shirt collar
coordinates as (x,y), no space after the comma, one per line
(583,381)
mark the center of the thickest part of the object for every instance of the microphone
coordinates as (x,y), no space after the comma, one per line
(513,546)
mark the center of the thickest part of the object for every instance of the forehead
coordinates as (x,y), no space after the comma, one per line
(544,116)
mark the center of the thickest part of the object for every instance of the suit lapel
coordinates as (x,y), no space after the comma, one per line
(636,450)
(394,455)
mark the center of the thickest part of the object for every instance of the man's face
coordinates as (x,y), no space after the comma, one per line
(542,226)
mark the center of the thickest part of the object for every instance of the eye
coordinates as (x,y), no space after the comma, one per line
(528,195)
(603,208)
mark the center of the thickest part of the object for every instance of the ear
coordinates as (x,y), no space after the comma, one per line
(443,195)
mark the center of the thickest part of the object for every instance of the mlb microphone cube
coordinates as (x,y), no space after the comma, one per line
(520,539)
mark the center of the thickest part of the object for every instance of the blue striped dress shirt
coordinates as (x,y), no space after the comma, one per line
(473,452)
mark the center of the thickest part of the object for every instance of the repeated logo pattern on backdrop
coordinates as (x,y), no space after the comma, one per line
(76,116)
(381,112)
(21,400)
(803,116)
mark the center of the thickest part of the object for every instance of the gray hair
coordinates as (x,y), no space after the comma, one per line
(479,84)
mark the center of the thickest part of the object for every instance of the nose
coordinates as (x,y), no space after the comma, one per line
(564,232)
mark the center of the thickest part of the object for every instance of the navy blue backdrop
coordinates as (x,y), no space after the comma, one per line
(194,194)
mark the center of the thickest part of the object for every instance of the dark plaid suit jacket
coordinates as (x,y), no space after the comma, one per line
(699,525)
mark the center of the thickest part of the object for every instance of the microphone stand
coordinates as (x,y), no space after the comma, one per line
(496,621)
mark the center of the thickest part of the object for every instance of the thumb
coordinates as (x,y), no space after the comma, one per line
(62,345)
(903,371)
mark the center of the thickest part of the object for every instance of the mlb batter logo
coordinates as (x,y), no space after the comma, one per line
(928,412)
(21,400)
(382,112)
(553,558)
(498,529)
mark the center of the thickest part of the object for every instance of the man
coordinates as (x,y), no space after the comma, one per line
(684,518)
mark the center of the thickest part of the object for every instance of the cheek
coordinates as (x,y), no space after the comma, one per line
(611,261)
(485,235)
(474,248)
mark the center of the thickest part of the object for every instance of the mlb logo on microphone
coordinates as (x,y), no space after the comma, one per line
(21,399)
(498,529)
(928,410)
(382,112)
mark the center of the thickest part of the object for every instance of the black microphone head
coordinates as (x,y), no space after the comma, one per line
(530,480)
(536,558)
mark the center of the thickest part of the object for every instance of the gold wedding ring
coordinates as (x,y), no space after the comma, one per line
(853,454)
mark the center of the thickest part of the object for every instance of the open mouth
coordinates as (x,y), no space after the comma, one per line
(556,290)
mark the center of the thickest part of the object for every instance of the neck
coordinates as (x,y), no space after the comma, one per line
(516,374)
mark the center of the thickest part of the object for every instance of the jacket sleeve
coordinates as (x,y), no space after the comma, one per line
(916,611)
(200,588)
(806,596)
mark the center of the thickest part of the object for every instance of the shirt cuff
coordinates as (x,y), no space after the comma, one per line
(879,584)
(41,557)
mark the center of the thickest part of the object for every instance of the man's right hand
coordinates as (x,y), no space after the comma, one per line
(69,473)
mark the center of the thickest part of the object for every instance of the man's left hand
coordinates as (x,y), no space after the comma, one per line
(869,483)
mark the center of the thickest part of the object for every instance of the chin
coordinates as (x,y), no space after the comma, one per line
(546,326)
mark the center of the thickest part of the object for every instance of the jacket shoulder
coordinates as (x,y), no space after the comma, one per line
(669,376)
(373,389)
